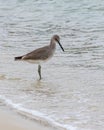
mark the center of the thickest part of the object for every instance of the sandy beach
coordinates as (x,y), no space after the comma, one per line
(12,121)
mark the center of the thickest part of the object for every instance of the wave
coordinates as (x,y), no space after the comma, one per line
(35,115)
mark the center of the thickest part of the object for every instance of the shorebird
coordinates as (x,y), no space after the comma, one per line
(41,54)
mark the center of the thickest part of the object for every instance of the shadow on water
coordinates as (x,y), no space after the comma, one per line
(2,77)
(44,87)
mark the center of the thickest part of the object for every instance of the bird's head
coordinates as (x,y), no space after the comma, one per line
(57,39)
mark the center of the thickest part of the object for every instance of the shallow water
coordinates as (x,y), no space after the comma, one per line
(71,93)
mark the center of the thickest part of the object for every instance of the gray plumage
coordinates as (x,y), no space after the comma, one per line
(42,54)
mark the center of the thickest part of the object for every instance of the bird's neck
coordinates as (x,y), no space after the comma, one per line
(53,44)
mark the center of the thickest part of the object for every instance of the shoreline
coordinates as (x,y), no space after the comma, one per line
(10,120)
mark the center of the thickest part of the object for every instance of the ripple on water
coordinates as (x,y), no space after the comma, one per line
(72,87)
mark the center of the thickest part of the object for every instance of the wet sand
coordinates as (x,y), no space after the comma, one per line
(12,121)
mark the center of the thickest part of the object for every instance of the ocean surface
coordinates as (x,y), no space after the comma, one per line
(71,94)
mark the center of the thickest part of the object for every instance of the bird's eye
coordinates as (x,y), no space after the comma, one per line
(56,39)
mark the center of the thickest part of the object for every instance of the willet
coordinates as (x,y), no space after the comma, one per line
(41,54)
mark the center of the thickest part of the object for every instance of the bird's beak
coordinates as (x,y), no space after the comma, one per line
(60,45)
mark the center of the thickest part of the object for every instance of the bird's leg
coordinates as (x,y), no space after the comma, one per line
(39,71)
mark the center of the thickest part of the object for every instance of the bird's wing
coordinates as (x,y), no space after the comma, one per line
(38,54)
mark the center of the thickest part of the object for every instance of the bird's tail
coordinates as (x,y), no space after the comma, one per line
(18,58)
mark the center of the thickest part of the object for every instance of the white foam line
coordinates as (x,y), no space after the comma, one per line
(38,116)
